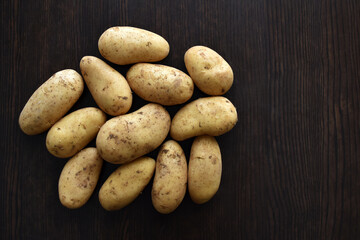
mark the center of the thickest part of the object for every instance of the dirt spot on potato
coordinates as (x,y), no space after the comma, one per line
(112,136)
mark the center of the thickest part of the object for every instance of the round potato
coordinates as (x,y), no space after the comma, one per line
(126,183)
(126,45)
(209,71)
(159,83)
(204,169)
(79,178)
(73,132)
(169,186)
(127,137)
(108,87)
(205,116)
(51,101)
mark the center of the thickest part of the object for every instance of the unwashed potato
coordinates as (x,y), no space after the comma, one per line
(209,71)
(125,45)
(204,169)
(73,132)
(126,183)
(79,178)
(108,87)
(169,186)
(212,116)
(127,137)
(159,83)
(51,101)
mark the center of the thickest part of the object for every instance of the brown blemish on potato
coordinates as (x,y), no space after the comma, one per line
(112,136)
(139,171)
(165,150)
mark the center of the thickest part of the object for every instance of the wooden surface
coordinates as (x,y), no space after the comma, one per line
(291,164)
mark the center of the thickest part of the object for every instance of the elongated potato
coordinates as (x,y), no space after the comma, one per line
(51,101)
(209,71)
(127,137)
(125,45)
(204,169)
(205,116)
(159,83)
(108,87)
(169,186)
(73,132)
(79,177)
(126,183)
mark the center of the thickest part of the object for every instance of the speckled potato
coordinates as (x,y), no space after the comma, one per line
(51,101)
(126,183)
(108,87)
(79,178)
(73,132)
(126,45)
(204,169)
(160,84)
(169,186)
(209,71)
(127,137)
(212,116)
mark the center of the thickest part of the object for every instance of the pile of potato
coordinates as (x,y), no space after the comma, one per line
(127,137)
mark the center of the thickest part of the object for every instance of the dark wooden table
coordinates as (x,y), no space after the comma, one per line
(291,166)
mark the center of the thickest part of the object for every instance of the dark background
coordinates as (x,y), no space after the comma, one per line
(291,164)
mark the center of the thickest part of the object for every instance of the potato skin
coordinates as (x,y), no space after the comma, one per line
(108,87)
(73,132)
(51,101)
(126,183)
(160,84)
(205,168)
(124,45)
(169,186)
(127,137)
(209,71)
(212,116)
(79,177)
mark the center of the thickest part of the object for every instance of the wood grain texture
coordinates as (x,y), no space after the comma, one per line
(290,166)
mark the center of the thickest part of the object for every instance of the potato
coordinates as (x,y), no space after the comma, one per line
(73,132)
(79,178)
(169,186)
(125,45)
(126,183)
(204,169)
(205,116)
(51,101)
(209,71)
(159,83)
(108,87)
(127,137)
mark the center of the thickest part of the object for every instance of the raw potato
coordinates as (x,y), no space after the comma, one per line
(126,183)
(209,71)
(73,132)
(204,169)
(212,116)
(108,87)
(127,137)
(170,179)
(79,177)
(51,101)
(159,83)
(126,45)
